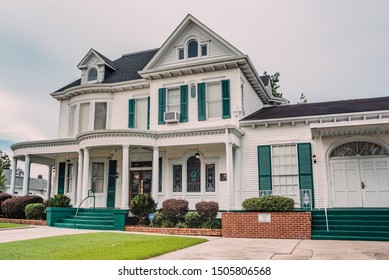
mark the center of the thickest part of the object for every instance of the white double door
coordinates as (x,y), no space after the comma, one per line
(360,182)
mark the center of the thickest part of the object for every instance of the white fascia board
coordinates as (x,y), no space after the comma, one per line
(312,118)
(348,124)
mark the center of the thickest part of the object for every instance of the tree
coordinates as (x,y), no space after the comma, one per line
(274,80)
(2,177)
(4,158)
(303,99)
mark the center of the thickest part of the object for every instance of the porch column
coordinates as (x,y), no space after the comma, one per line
(125,180)
(26,179)
(13,176)
(79,178)
(155,174)
(85,177)
(49,180)
(230,174)
(237,178)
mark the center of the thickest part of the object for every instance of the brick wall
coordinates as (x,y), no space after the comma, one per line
(283,225)
(175,231)
(23,221)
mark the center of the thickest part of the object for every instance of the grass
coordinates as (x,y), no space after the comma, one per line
(95,246)
(10,225)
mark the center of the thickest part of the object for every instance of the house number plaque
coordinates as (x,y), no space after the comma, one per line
(264,218)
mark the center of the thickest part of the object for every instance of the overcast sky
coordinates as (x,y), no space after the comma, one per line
(328,50)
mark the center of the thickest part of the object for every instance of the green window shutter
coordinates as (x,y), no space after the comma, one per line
(264,168)
(148,112)
(161,105)
(226,109)
(305,168)
(131,113)
(61,178)
(111,183)
(184,103)
(201,102)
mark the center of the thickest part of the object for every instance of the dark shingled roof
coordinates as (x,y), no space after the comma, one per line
(127,68)
(321,108)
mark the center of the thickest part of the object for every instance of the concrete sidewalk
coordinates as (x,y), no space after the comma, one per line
(218,248)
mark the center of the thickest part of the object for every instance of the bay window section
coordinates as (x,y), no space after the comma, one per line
(69,178)
(83,124)
(100,121)
(98,177)
(193,174)
(72,120)
(177,178)
(210,177)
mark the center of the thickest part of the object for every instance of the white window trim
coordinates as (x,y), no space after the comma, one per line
(74,178)
(105,186)
(207,101)
(97,77)
(167,99)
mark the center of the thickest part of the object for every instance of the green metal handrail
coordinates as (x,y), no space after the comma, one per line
(91,193)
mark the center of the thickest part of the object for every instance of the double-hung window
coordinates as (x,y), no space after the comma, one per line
(98,177)
(173,100)
(100,121)
(214,100)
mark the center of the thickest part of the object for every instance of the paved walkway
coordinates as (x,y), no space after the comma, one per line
(218,248)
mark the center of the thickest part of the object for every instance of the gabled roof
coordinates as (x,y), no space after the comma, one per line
(95,53)
(321,109)
(127,68)
(188,21)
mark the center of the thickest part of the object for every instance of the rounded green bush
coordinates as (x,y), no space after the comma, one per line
(175,209)
(269,204)
(13,208)
(192,220)
(141,206)
(35,211)
(3,197)
(207,210)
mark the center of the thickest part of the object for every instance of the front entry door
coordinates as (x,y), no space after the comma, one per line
(360,182)
(140,183)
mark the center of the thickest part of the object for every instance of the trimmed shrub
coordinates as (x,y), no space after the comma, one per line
(161,221)
(59,200)
(252,204)
(175,209)
(192,220)
(212,224)
(141,206)
(269,204)
(3,197)
(35,211)
(13,208)
(207,210)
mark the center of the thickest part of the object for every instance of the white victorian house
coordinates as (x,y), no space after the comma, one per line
(194,120)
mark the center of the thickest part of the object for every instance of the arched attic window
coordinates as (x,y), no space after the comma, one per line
(92,74)
(193,48)
(359,148)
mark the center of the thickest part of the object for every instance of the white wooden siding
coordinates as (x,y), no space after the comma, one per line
(251,101)
(63,119)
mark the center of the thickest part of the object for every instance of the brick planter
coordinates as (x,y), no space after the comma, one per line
(282,225)
(176,231)
(24,221)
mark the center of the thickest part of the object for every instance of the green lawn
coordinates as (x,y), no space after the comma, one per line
(10,225)
(95,246)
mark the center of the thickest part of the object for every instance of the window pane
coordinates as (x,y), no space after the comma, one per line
(100,115)
(204,50)
(210,173)
(141,113)
(181,54)
(177,178)
(214,100)
(69,177)
(92,74)
(193,175)
(193,48)
(173,100)
(72,121)
(98,177)
(193,91)
(84,117)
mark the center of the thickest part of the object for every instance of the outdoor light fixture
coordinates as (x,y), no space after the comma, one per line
(68,161)
(314,159)
(197,155)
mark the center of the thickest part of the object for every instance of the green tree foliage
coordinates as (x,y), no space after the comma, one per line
(2,177)
(274,80)
(4,158)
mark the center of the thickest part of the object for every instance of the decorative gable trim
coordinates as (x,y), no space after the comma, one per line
(99,60)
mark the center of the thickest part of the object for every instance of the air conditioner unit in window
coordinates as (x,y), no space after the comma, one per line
(171,117)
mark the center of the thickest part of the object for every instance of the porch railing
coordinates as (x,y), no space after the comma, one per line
(91,193)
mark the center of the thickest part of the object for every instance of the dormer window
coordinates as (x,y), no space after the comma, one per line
(193,48)
(92,74)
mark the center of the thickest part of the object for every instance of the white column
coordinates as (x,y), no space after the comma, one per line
(125,180)
(26,178)
(13,176)
(79,178)
(155,176)
(49,179)
(85,177)
(238,184)
(230,174)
